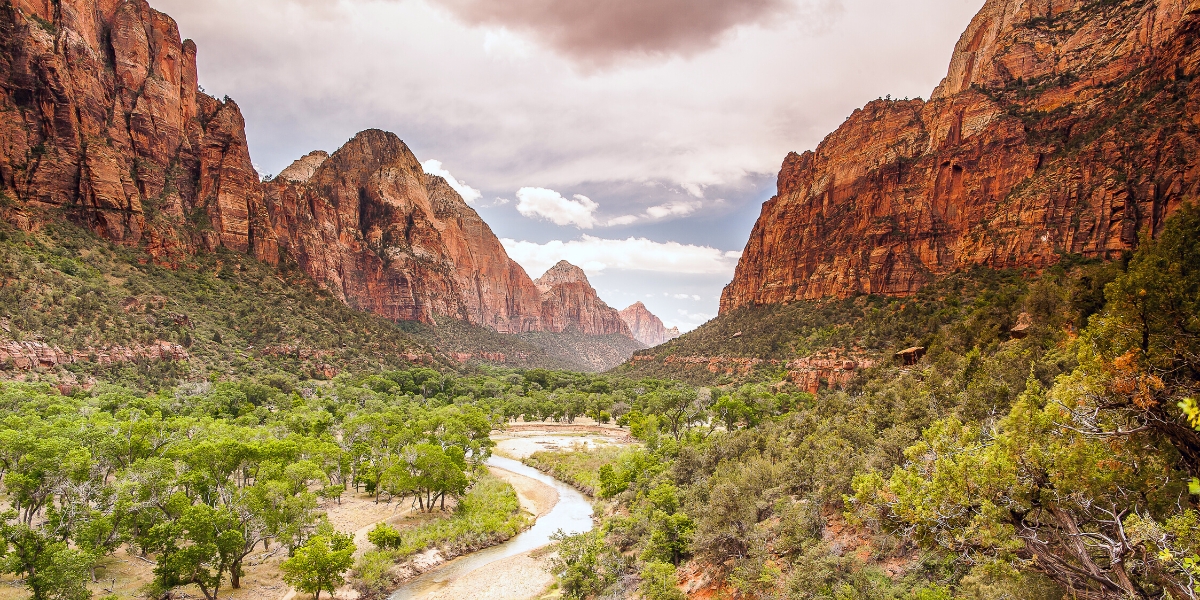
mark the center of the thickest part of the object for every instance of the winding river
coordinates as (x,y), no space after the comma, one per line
(572,514)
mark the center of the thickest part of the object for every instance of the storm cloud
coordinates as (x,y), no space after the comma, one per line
(598,33)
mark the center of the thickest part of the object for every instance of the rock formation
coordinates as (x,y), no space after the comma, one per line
(102,120)
(1062,127)
(570,303)
(647,328)
(373,228)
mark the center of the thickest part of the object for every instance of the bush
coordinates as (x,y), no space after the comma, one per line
(385,537)
(658,582)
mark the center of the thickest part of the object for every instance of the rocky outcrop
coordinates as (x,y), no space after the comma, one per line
(373,228)
(1062,127)
(647,328)
(101,119)
(302,169)
(570,304)
(25,356)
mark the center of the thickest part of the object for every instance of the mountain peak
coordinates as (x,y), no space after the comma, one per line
(562,273)
(647,328)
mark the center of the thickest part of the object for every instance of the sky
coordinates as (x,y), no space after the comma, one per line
(637,139)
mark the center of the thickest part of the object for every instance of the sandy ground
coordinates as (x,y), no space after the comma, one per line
(126,575)
(522,439)
(536,497)
(517,577)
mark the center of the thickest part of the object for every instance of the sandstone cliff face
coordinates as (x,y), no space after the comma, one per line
(647,328)
(1063,126)
(570,304)
(369,225)
(101,119)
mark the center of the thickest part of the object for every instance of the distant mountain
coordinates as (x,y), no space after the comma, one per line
(1062,127)
(570,303)
(647,328)
(103,124)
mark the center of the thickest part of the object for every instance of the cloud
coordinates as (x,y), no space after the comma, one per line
(633,254)
(624,220)
(672,209)
(598,33)
(468,193)
(551,206)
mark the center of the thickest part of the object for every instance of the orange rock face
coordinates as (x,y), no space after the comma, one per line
(101,119)
(1062,127)
(369,225)
(570,303)
(647,328)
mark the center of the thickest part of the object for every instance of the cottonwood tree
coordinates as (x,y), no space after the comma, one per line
(319,564)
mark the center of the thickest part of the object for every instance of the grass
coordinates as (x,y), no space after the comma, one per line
(488,515)
(579,468)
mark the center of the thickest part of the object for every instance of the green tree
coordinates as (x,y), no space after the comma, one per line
(319,564)
(199,548)
(52,570)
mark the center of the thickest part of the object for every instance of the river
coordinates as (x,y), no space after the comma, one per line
(572,514)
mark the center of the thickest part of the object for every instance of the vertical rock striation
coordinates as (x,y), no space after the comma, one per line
(102,121)
(1062,127)
(372,227)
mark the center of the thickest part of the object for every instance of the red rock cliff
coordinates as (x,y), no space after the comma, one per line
(102,120)
(368,224)
(1063,126)
(570,303)
(647,328)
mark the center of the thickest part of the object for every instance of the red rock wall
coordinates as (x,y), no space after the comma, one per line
(374,229)
(1063,126)
(570,303)
(102,120)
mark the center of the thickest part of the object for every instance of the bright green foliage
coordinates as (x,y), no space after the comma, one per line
(200,547)
(658,582)
(385,537)
(52,570)
(584,564)
(320,563)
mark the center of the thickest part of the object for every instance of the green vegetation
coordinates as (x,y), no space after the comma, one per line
(232,315)
(1060,463)
(579,468)
(318,565)
(489,514)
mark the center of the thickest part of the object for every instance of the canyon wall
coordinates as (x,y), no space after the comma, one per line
(1062,127)
(570,304)
(103,123)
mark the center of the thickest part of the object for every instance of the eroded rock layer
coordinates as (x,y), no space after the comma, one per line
(1062,127)
(102,120)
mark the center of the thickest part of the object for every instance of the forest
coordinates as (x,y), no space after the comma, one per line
(1060,462)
